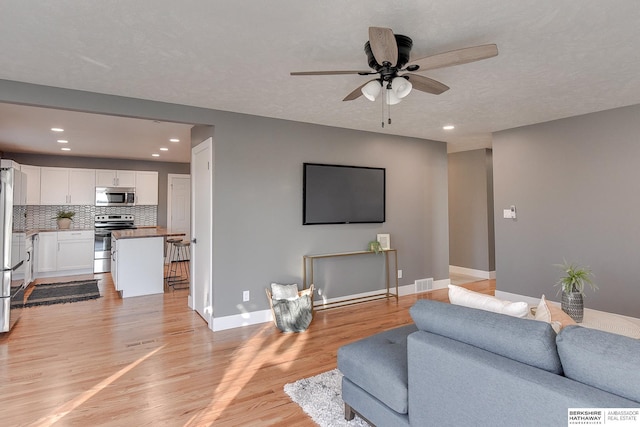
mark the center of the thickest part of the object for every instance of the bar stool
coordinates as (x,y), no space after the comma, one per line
(169,251)
(179,270)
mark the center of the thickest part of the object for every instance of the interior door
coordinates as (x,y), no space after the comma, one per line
(179,204)
(201,298)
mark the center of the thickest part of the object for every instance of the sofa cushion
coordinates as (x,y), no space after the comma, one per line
(601,359)
(378,365)
(526,341)
(462,296)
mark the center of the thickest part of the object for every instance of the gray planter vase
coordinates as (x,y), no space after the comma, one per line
(573,305)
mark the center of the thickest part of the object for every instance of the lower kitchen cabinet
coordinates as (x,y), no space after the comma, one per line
(47,252)
(65,252)
(137,266)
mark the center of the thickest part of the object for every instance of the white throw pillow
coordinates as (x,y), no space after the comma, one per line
(462,296)
(279,291)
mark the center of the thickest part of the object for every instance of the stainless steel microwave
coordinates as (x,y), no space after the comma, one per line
(115,196)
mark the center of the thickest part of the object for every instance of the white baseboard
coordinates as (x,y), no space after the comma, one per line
(441,284)
(47,274)
(406,290)
(264,316)
(238,320)
(471,272)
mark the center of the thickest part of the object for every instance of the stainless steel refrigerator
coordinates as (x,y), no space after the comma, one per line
(12,242)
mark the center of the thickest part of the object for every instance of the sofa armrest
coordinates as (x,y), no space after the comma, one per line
(453,383)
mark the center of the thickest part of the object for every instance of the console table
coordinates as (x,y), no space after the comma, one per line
(307,279)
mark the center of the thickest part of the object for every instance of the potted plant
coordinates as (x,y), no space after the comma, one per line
(572,285)
(64,219)
(374,246)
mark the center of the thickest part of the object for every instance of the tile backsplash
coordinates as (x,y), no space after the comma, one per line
(43,217)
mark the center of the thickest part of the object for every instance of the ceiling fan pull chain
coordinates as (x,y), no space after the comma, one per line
(382,111)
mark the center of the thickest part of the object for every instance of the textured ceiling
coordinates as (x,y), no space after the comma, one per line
(557,58)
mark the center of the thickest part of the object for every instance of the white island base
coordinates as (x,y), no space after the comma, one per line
(137,266)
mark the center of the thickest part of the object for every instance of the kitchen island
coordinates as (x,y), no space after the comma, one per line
(137,260)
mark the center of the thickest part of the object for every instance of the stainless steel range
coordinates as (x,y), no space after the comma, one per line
(104,225)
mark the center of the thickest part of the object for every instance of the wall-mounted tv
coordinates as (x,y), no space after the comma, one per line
(339,194)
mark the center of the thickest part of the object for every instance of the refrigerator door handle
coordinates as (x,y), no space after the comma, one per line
(14,268)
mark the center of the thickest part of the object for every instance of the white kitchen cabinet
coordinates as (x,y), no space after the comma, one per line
(137,267)
(63,252)
(82,191)
(115,178)
(47,252)
(114,262)
(75,250)
(33,183)
(146,188)
(67,186)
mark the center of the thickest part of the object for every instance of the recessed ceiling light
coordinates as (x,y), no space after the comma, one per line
(155,155)
(57,129)
(66,149)
(164,149)
(63,141)
(174,140)
(448,127)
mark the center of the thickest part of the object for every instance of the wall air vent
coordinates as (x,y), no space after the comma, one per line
(423,285)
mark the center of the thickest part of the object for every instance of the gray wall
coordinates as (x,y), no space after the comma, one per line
(258,236)
(575,183)
(471,234)
(163,169)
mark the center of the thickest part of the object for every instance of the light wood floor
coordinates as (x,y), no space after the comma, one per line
(150,361)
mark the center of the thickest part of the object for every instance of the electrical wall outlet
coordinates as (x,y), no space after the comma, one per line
(245,296)
(399,274)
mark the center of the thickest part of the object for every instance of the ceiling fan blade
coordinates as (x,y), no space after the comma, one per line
(357,92)
(330,73)
(383,45)
(456,57)
(425,84)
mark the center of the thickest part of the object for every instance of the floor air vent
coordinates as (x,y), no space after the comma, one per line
(424,285)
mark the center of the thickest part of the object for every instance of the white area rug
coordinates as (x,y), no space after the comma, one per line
(321,398)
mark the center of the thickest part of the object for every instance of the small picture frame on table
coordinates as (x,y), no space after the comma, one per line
(385,241)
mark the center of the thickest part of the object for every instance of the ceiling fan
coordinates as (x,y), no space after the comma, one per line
(388,54)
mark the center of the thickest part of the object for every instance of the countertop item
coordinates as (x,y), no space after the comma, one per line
(144,232)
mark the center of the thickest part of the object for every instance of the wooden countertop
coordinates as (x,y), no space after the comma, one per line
(144,232)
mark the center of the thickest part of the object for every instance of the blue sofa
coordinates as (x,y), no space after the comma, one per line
(462,366)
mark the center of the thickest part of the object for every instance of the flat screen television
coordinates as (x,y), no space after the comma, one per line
(340,194)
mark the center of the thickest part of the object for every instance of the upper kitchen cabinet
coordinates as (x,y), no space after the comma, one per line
(111,178)
(146,188)
(67,186)
(33,183)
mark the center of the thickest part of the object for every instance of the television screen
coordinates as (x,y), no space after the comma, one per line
(338,194)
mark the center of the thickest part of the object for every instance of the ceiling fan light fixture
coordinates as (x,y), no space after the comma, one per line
(391,97)
(371,90)
(401,87)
